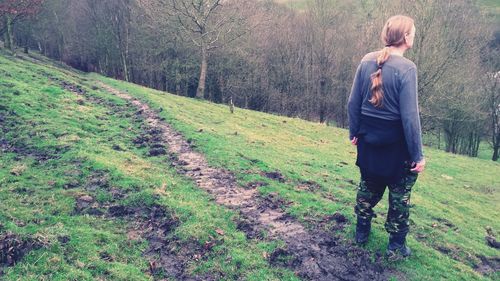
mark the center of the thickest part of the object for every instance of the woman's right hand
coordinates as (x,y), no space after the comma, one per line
(419,167)
(354,141)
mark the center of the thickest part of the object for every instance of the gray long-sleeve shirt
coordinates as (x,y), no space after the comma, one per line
(399,82)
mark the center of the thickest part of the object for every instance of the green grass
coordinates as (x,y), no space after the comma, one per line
(75,138)
(453,201)
(491,8)
(485,150)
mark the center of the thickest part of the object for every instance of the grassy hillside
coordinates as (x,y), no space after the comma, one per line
(70,166)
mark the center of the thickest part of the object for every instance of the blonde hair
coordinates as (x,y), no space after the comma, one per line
(393,34)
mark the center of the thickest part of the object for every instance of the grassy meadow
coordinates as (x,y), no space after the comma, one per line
(61,144)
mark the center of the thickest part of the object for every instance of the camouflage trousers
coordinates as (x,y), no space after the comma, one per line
(370,193)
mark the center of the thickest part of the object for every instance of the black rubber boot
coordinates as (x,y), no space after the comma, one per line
(363,227)
(397,248)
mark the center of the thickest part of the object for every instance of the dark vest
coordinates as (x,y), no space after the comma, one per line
(382,150)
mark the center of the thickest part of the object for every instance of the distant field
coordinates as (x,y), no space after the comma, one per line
(490,6)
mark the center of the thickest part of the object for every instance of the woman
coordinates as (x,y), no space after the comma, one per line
(384,124)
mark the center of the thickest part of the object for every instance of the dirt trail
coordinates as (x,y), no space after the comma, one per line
(313,255)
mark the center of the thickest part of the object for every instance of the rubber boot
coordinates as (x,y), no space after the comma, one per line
(363,227)
(397,248)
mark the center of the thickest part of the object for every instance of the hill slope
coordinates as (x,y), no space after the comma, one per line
(87,192)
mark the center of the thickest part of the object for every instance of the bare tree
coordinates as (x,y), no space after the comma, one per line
(490,84)
(208,24)
(321,16)
(494,102)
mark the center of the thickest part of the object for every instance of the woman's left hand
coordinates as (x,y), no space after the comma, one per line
(419,167)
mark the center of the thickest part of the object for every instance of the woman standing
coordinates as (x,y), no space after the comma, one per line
(384,124)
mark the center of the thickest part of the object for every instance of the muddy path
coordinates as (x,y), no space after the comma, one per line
(312,254)
(167,255)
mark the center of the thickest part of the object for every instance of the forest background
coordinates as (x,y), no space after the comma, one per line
(290,57)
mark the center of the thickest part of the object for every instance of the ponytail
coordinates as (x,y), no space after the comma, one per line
(393,34)
(376,77)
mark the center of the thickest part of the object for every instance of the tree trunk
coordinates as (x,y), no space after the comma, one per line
(439,138)
(8,36)
(496,131)
(125,68)
(200,92)
(496,147)
(125,55)
(321,99)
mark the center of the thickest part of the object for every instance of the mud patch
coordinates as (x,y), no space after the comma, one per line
(272,201)
(443,224)
(329,258)
(169,257)
(488,265)
(492,242)
(444,250)
(174,258)
(451,251)
(97,182)
(276,175)
(152,139)
(86,204)
(330,223)
(77,89)
(309,186)
(157,151)
(72,183)
(250,229)
(13,248)
(117,147)
(336,217)
(256,184)
(491,238)
(480,263)
(98,179)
